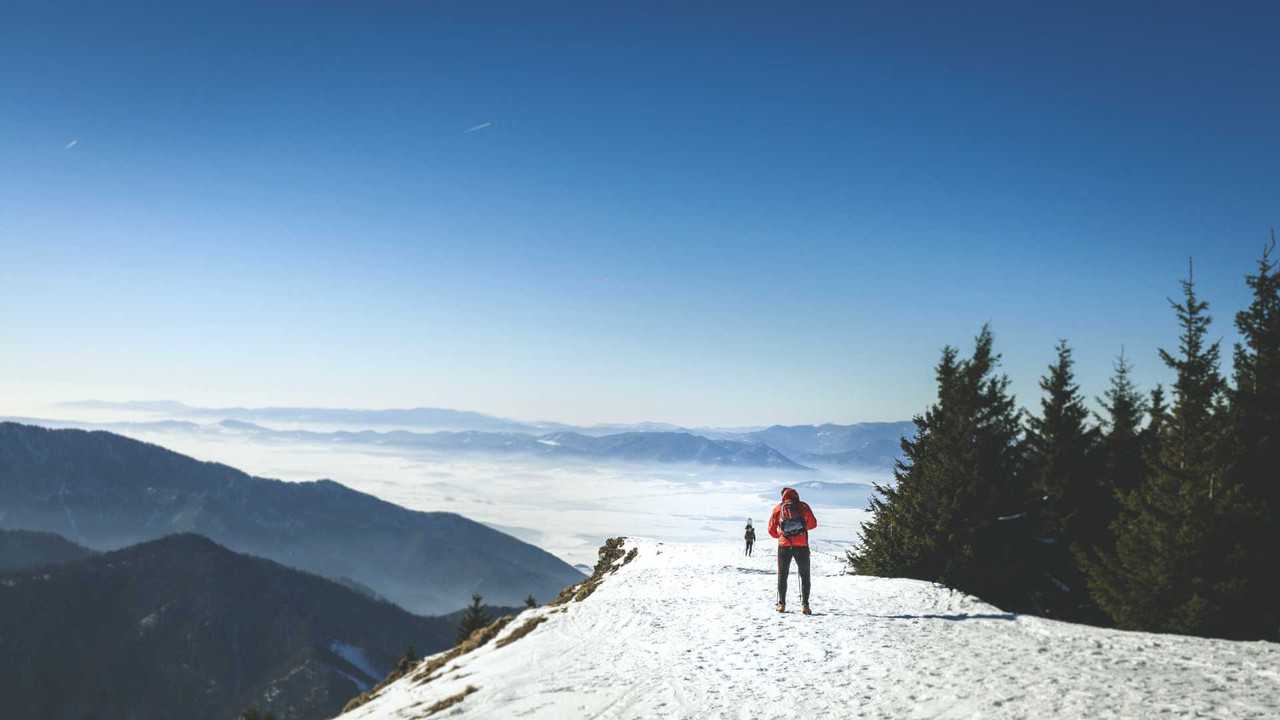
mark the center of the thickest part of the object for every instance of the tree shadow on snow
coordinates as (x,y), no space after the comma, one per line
(751,571)
(953,617)
(836,614)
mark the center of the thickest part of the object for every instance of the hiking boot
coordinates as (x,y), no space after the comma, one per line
(806,610)
(780,607)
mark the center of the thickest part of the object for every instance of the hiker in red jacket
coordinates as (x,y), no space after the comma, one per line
(790,522)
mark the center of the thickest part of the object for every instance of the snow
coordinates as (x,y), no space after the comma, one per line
(689,631)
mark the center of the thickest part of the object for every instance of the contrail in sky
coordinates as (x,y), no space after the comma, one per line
(481,126)
(72,144)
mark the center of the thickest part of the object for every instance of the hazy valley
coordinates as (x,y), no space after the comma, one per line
(562,499)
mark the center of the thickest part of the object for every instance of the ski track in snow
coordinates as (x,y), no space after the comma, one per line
(689,631)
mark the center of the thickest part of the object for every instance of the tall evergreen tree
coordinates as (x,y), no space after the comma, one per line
(1195,430)
(1256,397)
(1176,565)
(1060,443)
(1065,486)
(1121,454)
(1121,465)
(1157,417)
(1255,404)
(898,539)
(473,618)
(960,473)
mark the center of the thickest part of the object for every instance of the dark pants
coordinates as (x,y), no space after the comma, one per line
(749,544)
(801,555)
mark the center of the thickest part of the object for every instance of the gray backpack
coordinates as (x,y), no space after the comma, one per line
(792,522)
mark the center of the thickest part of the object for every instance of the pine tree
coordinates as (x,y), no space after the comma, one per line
(1195,428)
(1060,444)
(1176,564)
(1122,461)
(1065,486)
(896,540)
(959,475)
(1122,465)
(1101,563)
(1255,406)
(1153,434)
(473,618)
(530,601)
(1256,397)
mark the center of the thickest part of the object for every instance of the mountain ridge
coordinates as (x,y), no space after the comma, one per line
(207,633)
(873,445)
(427,416)
(107,491)
(22,550)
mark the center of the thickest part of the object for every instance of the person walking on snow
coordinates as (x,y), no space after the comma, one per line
(790,522)
(750,536)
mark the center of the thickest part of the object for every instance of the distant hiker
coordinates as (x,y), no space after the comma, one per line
(790,522)
(750,536)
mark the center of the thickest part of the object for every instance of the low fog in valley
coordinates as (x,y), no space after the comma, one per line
(564,505)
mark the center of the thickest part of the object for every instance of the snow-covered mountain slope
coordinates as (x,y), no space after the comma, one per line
(689,631)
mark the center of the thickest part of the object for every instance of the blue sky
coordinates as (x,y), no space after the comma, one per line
(699,213)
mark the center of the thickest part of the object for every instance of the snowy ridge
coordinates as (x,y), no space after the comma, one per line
(689,631)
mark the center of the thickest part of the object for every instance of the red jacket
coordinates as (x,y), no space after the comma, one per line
(775,518)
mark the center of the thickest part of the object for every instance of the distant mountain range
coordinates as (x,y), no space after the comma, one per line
(669,447)
(181,627)
(629,446)
(106,491)
(418,418)
(406,417)
(873,445)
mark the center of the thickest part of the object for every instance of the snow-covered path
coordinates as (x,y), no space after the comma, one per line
(689,631)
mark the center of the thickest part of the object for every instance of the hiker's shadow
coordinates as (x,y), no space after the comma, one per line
(751,571)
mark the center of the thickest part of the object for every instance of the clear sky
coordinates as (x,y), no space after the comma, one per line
(700,213)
